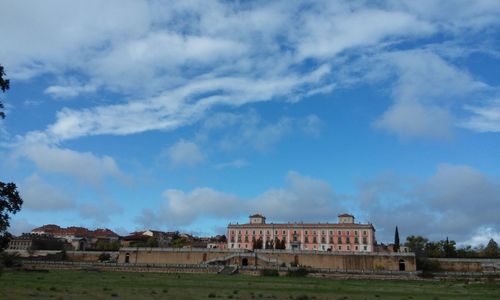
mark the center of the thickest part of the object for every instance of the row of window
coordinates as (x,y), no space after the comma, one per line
(305,232)
(347,248)
(314,240)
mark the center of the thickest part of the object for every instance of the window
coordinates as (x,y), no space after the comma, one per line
(253,232)
(356,247)
(315,240)
(348,240)
(268,232)
(306,240)
(347,233)
(364,232)
(364,240)
(232,231)
(246,238)
(323,232)
(364,247)
(356,232)
(331,232)
(239,239)
(340,232)
(295,232)
(284,232)
(348,247)
(323,240)
(356,240)
(260,232)
(340,247)
(314,232)
(276,232)
(306,231)
(340,240)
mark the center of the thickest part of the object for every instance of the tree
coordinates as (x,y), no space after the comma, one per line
(396,240)
(4,86)
(449,248)
(491,250)
(10,201)
(416,244)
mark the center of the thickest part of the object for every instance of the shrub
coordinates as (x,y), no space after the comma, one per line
(300,272)
(104,257)
(212,295)
(269,272)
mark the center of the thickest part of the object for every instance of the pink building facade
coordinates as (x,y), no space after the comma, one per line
(344,236)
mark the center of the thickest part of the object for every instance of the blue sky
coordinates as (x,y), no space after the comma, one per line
(188,115)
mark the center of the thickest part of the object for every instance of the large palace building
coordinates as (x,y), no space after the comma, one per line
(344,236)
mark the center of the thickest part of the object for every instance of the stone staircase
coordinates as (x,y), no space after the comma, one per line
(228,270)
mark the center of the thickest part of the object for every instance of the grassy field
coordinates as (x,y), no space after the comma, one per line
(73,284)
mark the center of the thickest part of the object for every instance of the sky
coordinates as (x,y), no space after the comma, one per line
(189,115)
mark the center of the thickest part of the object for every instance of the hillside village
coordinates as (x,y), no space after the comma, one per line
(54,237)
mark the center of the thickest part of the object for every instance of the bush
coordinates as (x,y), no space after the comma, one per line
(9,260)
(300,272)
(269,272)
(104,257)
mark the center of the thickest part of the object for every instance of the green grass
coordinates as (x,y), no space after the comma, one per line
(73,284)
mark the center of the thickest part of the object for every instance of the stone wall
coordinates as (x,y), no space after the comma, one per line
(325,260)
(468,264)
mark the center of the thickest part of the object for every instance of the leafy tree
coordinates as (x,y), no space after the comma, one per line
(10,201)
(396,240)
(152,242)
(416,244)
(491,250)
(449,248)
(4,86)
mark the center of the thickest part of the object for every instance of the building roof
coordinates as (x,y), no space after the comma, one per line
(302,225)
(346,215)
(257,216)
(76,231)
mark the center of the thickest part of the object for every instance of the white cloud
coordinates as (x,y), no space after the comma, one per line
(425,93)
(84,166)
(19,226)
(414,120)
(70,90)
(485,118)
(40,196)
(179,61)
(303,198)
(99,212)
(184,153)
(454,202)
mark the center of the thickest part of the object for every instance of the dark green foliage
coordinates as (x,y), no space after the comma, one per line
(4,86)
(300,272)
(491,250)
(104,257)
(396,240)
(10,203)
(269,272)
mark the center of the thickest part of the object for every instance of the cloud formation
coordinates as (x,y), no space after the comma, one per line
(454,202)
(184,153)
(175,63)
(40,196)
(302,199)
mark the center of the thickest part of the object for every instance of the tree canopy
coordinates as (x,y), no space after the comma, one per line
(10,201)
(4,86)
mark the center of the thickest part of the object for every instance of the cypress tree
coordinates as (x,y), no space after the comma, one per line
(396,240)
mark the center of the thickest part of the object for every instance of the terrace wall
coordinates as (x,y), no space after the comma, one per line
(326,260)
